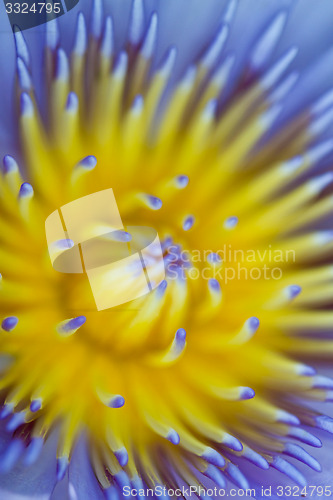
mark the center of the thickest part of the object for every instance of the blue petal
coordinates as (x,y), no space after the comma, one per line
(81,476)
(36,481)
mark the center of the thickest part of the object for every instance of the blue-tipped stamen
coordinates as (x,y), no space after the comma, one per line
(9,164)
(293,291)
(188,79)
(121,65)
(209,111)
(321,123)
(188,223)
(62,67)
(11,455)
(319,151)
(304,436)
(71,325)
(173,437)
(287,418)
(215,475)
(247,331)
(72,103)
(231,442)
(62,466)
(26,190)
(182,181)
(246,393)
(97,18)
(33,451)
(214,258)
(179,342)
(80,44)
(319,183)
(169,62)
(325,101)
(107,46)
(221,77)
(88,163)
(21,46)
(27,107)
(23,75)
(111,493)
(119,235)
(306,370)
(214,285)
(289,470)
(16,420)
(236,476)
(255,458)
(36,405)
(295,451)
(162,287)
(52,34)
(279,68)
(116,401)
(322,382)
(137,105)
(230,222)
(149,42)
(153,202)
(214,51)
(180,336)
(136,22)
(285,87)
(289,167)
(323,237)
(6,410)
(8,324)
(122,456)
(174,351)
(266,44)
(213,457)
(325,423)
(122,479)
(253,324)
(230,11)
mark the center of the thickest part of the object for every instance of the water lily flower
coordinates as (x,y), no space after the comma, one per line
(212,123)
